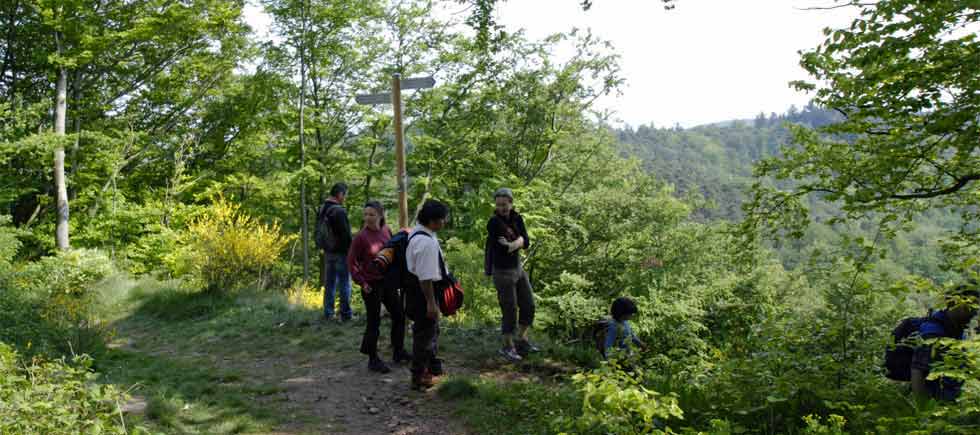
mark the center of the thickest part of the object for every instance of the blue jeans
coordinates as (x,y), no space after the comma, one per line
(334,274)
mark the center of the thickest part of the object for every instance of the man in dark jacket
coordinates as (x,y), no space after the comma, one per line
(961,307)
(333,271)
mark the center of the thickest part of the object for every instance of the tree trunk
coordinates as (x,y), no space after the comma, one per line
(61,231)
(302,151)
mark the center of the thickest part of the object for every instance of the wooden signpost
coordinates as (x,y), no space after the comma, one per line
(395,99)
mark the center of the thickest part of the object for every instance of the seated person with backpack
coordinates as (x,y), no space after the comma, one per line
(618,332)
(961,307)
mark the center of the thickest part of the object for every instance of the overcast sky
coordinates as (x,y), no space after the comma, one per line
(702,62)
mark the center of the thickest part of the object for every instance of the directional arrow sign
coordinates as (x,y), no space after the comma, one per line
(385,98)
(418,82)
(373,99)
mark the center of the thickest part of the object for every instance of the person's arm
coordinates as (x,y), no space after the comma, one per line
(341,228)
(432,309)
(488,257)
(526,239)
(355,266)
(628,332)
(429,272)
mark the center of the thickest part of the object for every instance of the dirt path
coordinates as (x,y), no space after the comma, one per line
(344,397)
(320,390)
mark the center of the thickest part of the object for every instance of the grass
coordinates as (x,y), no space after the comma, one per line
(526,407)
(181,349)
(178,349)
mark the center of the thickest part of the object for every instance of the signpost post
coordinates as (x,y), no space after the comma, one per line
(395,99)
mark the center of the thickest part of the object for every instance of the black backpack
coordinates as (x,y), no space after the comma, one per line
(390,262)
(323,234)
(598,332)
(898,356)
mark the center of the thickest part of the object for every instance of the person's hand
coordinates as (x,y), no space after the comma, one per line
(515,245)
(366,288)
(432,311)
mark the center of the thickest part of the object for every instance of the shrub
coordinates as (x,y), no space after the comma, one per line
(51,306)
(615,402)
(56,398)
(465,261)
(572,311)
(227,249)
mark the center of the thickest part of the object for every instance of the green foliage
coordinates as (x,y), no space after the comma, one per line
(902,75)
(57,398)
(816,426)
(615,402)
(527,407)
(227,249)
(52,306)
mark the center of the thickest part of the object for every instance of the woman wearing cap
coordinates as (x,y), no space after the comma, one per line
(506,237)
(364,248)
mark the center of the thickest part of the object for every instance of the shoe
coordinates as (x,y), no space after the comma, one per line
(401,356)
(422,382)
(525,347)
(510,355)
(435,367)
(377,365)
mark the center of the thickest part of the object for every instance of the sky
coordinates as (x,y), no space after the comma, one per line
(704,61)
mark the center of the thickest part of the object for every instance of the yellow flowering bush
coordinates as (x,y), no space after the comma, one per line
(229,249)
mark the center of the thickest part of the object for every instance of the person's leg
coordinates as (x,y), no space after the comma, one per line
(423,333)
(435,364)
(396,311)
(505,282)
(525,301)
(372,310)
(344,287)
(329,286)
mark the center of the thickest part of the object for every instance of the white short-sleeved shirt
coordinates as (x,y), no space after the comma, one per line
(422,255)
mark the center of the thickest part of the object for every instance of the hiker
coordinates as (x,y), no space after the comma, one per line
(506,237)
(426,267)
(333,237)
(618,332)
(366,245)
(961,307)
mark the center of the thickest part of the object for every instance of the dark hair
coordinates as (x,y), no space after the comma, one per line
(622,307)
(378,208)
(432,210)
(338,188)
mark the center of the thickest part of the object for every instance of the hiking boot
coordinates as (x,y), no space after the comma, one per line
(435,367)
(377,365)
(401,356)
(422,382)
(525,347)
(510,354)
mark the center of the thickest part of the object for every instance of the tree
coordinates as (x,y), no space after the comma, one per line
(904,77)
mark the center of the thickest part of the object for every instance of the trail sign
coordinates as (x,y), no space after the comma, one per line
(418,83)
(373,99)
(395,98)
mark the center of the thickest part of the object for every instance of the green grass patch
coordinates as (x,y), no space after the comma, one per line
(526,407)
(189,398)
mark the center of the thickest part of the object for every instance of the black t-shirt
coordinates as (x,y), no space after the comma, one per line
(509,228)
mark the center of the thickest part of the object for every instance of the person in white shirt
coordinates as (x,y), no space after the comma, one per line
(424,261)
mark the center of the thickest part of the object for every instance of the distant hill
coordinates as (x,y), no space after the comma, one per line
(715,162)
